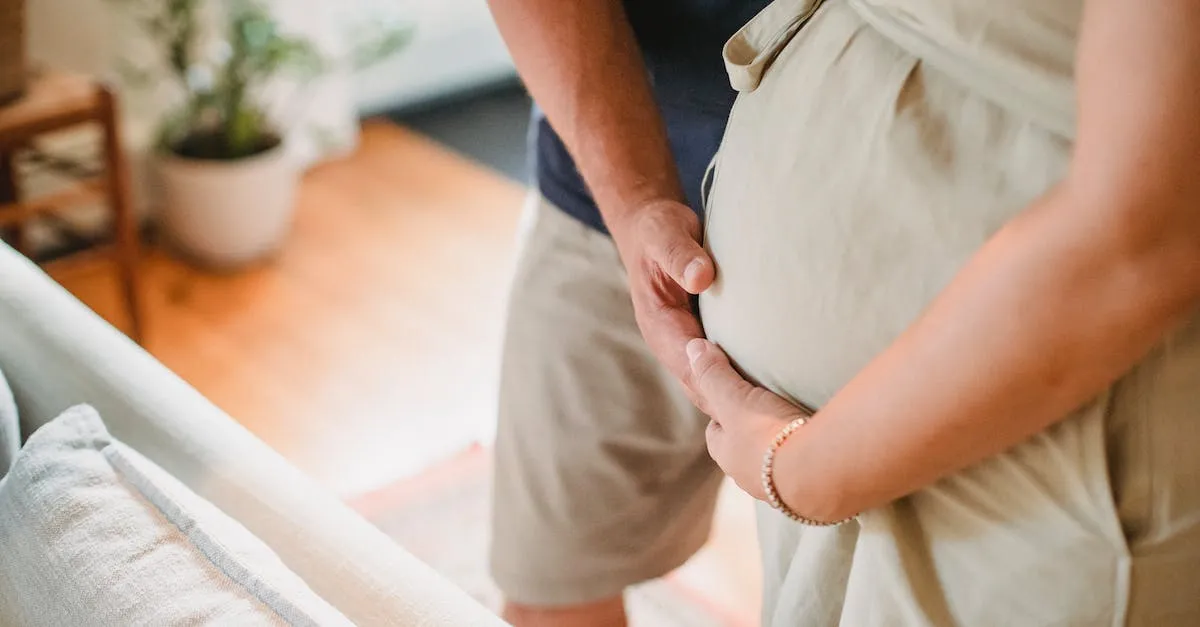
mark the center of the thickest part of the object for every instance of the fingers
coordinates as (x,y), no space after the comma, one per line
(713,377)
(723,448)
(668,331)
(674,246)
(714,438)
(692,268)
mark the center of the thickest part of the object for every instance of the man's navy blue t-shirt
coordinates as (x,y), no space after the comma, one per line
(681,41)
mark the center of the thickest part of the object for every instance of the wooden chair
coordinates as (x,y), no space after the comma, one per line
(55,101)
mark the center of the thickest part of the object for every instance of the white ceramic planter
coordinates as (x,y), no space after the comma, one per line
(226,214)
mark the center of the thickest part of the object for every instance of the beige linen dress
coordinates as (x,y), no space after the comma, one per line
(875,146)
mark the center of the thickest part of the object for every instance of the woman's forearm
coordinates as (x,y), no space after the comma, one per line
(1056,306)
(1043,318)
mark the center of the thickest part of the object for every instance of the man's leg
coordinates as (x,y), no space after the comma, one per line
(602,478)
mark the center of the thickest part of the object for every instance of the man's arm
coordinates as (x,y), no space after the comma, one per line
(581,62)
(1057,306)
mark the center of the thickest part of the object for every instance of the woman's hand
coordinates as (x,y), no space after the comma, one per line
(1057,305)
(745,418)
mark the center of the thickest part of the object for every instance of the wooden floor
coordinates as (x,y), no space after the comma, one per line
(369,349)
(370,346)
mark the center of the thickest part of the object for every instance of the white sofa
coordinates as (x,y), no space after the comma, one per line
(57,353)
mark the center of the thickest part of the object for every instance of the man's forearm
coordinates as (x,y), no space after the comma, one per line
(581,62)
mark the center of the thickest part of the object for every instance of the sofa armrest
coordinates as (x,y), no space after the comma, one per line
(56,353)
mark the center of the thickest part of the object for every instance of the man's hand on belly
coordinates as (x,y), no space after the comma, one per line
(582,63)
(660,246)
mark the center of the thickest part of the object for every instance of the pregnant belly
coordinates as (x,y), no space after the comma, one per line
(851,186)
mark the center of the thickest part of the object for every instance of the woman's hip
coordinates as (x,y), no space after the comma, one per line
(852,184)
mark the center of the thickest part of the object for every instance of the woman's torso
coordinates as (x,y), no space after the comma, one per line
(854,180)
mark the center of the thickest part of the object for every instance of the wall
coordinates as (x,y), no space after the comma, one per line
(455,47)
(73,34)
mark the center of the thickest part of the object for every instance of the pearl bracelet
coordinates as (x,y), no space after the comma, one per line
(768,478)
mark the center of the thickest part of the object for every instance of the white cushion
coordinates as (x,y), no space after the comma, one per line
(56,353)
(10,432)
(94,533)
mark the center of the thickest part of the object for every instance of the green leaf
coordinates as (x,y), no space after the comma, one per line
(246,133)
(222,120)
(380,46)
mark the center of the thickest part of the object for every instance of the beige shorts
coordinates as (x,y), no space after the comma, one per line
(602,477)
(856,176)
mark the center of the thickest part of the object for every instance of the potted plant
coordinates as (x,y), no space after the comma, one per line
(228,185)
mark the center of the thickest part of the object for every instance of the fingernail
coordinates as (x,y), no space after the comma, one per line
(692,272)
(695,349)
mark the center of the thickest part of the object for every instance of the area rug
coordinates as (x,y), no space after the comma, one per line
(441,517)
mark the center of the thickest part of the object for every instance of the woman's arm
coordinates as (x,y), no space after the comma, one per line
(1058,305)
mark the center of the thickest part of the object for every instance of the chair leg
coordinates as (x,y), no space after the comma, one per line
(124,222)
(10,192)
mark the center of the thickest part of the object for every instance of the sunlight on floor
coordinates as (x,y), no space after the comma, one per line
(368,351)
